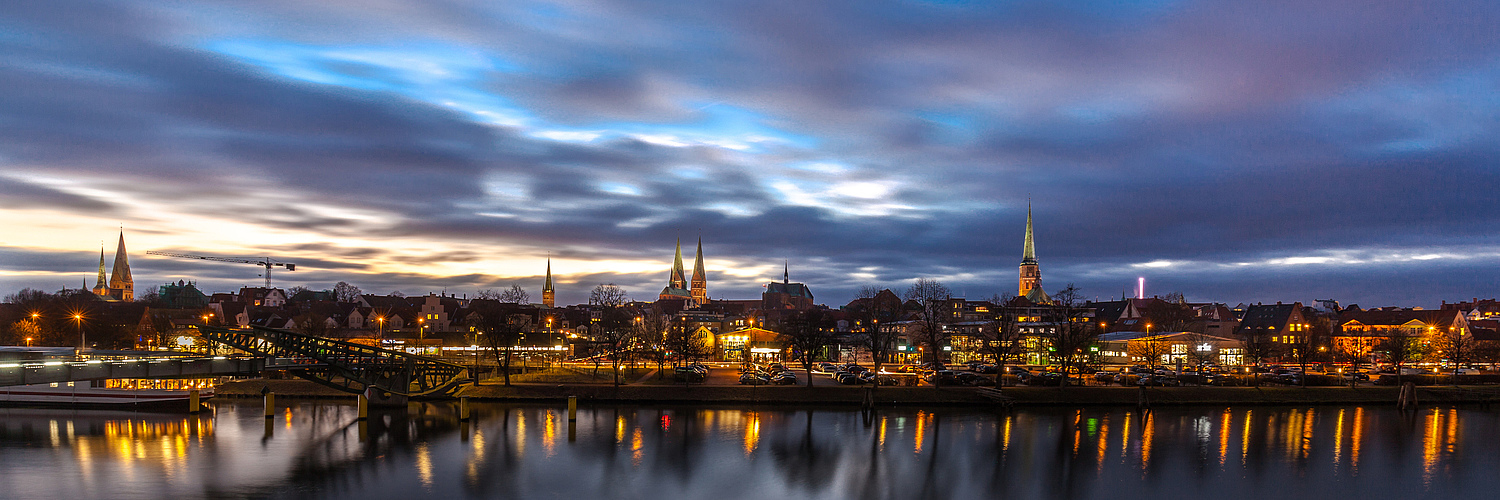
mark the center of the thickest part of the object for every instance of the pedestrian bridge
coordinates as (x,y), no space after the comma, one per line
(49,372)
(346,366)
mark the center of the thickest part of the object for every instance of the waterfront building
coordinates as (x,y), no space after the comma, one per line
(1360,332)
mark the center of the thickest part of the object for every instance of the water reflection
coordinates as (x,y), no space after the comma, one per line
(317,450)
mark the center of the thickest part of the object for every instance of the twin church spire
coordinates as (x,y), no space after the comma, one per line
(120,285)
(679,286)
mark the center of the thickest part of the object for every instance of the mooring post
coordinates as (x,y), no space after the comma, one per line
(270,404)
(572,408)
(193,405)
(364,407)
(463,409)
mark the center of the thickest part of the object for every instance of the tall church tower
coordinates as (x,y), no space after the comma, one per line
(677,284)
(548,296)
(101,285)
(700,278)
(1030,283)
(120,283)
(677,280)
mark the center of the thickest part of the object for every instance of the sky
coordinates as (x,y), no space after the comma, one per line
(1231,151)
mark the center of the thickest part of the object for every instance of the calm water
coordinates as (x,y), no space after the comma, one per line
(313,450)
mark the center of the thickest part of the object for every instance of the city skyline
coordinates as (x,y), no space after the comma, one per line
(1230,152)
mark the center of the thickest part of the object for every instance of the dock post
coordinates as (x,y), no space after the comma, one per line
(572,408)
(463,409)
(364,407)
(193,405)
(270,404)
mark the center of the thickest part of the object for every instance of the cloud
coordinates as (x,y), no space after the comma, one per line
(418,145)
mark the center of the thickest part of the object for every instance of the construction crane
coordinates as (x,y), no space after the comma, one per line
(266,262)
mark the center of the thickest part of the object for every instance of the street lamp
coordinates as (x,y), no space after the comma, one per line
(380,332)
(28,341)
(78,320)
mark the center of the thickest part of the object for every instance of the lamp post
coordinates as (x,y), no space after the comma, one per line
(78,320)
(380,332)
(28,341)
(1152,351)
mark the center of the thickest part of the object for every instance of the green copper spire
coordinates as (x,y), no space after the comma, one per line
(1028,256)
(678,279)
(102,281)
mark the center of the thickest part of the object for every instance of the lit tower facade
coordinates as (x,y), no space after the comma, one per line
(1030,283)
(700,278)
(121,286)
(548,296)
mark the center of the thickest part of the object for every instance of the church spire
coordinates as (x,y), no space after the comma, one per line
(119,279)
(548,295)
(677,279)
(700,278)
(1028,255)
(101,287)
(786,272)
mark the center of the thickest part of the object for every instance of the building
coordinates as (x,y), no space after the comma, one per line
(1030,282)
(786,295)
(121,286)
(1360,332)
(183,294)
(677,283)
(1278,324)
(549,297)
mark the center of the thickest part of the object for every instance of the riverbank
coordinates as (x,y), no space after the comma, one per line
(912,396)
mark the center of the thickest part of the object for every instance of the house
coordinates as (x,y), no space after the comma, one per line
(1279,324)
(1361,331)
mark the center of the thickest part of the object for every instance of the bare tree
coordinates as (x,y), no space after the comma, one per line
(684,343)
(808,333)
(501,327)
(1401,346)
(651,330)
(1456,346)
(930,295)
(1003,340)
(1070,331)
(344,292)
(876,305)
(515,295)
(608,295)
(488,294)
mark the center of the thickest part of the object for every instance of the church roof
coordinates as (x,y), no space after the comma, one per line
(120,276)
(1038,296)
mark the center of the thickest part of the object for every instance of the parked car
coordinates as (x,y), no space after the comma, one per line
(785,378)
(686,374)
(752,378)
(1045,378)
(974,379)
(940,377)
(986,368)
(849,378)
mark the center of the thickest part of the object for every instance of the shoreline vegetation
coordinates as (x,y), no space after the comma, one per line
(909,396)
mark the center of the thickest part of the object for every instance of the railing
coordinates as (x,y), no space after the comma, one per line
(345,366)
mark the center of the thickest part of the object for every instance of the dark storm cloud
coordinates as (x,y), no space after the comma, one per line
(1214,131)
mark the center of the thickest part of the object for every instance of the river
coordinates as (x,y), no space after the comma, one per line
(316,449)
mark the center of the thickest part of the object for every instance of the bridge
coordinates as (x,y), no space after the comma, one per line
(346,366)
(49,372)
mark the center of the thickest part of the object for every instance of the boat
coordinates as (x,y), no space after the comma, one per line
(134,394)
(126,394)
